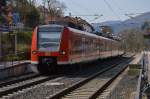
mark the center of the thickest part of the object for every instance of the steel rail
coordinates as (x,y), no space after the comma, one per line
(98,92)
(81,83)
(5,91)
(17,79)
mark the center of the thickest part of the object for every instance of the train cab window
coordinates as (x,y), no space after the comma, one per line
(49,38)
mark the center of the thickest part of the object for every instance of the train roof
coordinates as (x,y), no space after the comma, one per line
(52,25)
(90,34)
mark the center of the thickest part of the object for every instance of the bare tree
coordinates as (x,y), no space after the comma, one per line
(32,2)
(55,8)
(133,40)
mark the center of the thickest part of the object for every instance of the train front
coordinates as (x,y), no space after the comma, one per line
(45,50)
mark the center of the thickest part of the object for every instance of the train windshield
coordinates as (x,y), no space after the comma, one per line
(49,38)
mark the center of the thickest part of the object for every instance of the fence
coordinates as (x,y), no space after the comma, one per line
(14,59)
(14,49)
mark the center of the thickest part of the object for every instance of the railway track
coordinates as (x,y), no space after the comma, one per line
(28,88)
(93,86)
(16,79)
(10,87)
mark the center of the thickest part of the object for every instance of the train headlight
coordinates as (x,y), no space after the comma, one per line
(62,52)
(34,52)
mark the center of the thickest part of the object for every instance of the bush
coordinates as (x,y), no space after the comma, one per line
(23,45)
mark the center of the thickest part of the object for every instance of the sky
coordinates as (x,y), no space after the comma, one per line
(109,9)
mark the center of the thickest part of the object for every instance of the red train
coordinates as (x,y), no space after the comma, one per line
(55,45)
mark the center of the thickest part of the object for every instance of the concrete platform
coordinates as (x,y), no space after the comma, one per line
(8,64)
(15,68)
(136,63)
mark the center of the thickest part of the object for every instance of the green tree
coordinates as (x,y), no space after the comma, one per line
(28,12)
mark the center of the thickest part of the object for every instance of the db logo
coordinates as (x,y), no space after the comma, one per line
(47,54)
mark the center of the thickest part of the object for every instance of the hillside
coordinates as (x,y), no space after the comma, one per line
(118,26)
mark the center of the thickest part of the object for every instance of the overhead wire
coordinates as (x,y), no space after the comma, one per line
(129,15)
(81,6)
(116,4)
(103,16)
(113,11)
(70,10)
(87,10)
(78,5)
(125,13)
(96,18)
